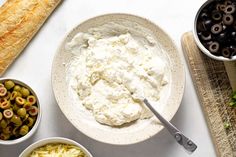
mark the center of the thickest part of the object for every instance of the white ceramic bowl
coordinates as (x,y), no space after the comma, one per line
(36,124)
(51,140)
(84,121)
(199,43)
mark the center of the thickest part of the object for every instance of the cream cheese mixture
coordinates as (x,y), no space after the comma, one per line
(115,67)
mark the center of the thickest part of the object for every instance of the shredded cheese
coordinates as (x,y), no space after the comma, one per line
(58,150)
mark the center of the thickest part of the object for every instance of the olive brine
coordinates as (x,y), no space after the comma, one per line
(216,27)
(18,110)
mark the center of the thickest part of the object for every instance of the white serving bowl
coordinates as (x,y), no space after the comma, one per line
(84,121)
(36,124)
(51,140)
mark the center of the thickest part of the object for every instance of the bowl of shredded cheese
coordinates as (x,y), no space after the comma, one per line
(55,146)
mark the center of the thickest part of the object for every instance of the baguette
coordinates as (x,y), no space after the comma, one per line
(19,22)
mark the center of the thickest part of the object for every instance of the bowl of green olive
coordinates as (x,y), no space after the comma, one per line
(20,112)
(215,29)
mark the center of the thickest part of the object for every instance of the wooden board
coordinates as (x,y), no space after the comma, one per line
(231,71)
(213,87)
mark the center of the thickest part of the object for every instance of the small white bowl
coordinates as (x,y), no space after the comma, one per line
(199,43)
(36,124)
(51,140)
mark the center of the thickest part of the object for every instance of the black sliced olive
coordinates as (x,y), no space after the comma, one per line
(230,9)
(205,36)
(222,37)
(216,15)
(232,37)
(207,24)
(228,2)
(201,27)
(216,28)
(222,7)
(214,47)
(218,7)
(233,34)
(224,27)
(211,6)
(233,50)
(226,52)
(233,54)
(204,16)
(234,25)
(206,44)
(228,19)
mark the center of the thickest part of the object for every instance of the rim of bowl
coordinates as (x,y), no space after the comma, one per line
(50,140)
(33,130)
(199,43)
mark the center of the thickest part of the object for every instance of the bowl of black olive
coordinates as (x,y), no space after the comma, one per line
(215,29)
(20,112)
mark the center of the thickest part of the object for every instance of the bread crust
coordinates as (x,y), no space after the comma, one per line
(19,21)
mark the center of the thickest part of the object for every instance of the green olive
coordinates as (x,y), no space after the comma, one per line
(4,136)
(3,91)
(30,122)
(16,120)
(24,130)
(15,131)
(15,107)
(17,88)
(9,84)
(27,105)
(31,99)
(20,101)
(19,94)
(33,111)
(0,115)
(21,112)
(7,130)
(5,104)
(3,123)
(26,117)
(8,95)
(34,118)
(25,92)
(8,113)
(1,85)
(13,95)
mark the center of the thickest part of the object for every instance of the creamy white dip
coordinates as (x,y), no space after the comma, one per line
(115,67)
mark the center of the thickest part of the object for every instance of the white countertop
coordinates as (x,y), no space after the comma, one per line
(34,67)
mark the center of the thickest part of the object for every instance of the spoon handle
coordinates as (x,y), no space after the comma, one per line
(188,144)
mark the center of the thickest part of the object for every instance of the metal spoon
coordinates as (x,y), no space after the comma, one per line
(188,144)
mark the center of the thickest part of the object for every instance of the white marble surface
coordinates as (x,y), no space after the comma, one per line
(34,67)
